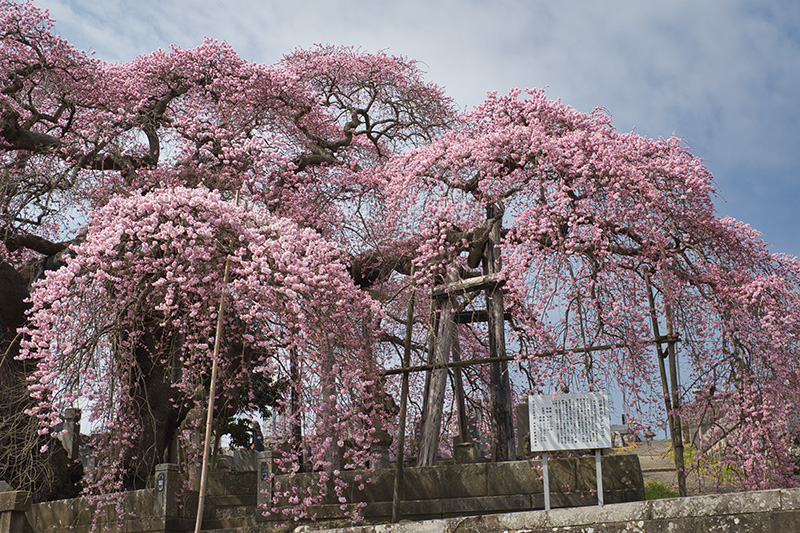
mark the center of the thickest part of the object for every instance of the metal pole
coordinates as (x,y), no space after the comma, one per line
(598,466)
(546,482)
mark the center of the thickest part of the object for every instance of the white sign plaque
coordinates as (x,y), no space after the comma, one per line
(580,421)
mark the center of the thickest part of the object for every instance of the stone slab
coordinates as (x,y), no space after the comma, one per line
(486,504)
(595,514)
(514,478)
(453,481)
(790,499)
(15,500)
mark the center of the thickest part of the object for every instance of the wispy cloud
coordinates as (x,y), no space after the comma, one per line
(723,74)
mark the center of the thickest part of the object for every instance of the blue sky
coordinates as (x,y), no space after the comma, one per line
(721,74)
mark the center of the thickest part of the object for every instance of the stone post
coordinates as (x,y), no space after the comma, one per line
(265,468)
(523,431)
(168,481)
(464,452)
(72,438)
(13,505)
(381,449)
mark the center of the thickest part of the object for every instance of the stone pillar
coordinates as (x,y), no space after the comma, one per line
(71,440)
(168,481)
(265,468)
(13,505)
(381,449)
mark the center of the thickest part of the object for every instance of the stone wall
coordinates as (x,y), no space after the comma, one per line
(455,490)
(430,492)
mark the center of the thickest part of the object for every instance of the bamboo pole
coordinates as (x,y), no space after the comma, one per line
(674,425)
(211,393)
(677,438)
(397,494)
(484,360)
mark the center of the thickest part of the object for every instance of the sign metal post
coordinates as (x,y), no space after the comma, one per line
(580,421)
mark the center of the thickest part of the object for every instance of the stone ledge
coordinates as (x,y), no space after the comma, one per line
(148,525)
(790,499)
(769,511)
(15,500)
(619,512)
(717,504)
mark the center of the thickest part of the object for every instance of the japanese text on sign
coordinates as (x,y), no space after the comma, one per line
(580,421)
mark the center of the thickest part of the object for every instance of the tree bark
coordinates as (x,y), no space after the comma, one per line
(49,475)
(502,445)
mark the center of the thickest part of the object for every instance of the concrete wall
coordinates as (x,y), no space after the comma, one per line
(770,511)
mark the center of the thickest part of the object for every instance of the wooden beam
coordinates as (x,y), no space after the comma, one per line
(488,282)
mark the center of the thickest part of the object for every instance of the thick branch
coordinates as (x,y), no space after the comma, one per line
(22,139)
(32,242)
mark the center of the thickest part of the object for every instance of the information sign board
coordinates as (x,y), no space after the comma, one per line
(578,421)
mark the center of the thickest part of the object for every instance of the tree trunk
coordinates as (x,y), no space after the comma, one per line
(157,408)
(49,475)
(502,445)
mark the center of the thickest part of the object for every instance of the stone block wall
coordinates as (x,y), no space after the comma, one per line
(429,492)
(450,490)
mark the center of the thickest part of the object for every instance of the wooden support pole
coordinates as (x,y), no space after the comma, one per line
(471,317)
(458,389)
(455,287)
(432,415)
(677,437)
